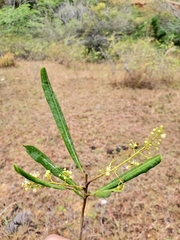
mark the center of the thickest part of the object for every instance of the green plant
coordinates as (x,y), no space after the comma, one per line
(25,48)
(131,165)
(165,22)
(145,65)
(19,21)
(100,24)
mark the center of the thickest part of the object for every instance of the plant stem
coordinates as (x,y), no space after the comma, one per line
(82,217)
(84,206)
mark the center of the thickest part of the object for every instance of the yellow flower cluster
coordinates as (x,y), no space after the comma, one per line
(66,174)
(27,184)
(48,175)
(152,141)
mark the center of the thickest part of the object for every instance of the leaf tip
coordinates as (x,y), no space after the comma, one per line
(16,168)
(43,69)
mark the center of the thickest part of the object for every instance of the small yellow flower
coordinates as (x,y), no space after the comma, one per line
(66,174)
(48,175)
(163,135)
(27,184)
(107,174)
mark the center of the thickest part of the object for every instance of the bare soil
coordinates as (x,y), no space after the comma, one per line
(100,118)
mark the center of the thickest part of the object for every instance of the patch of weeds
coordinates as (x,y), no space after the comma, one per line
(63,53)
(7,60)
(146,66)
(39,49)
(23,47)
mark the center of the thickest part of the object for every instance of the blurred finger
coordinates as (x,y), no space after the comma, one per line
(55,237)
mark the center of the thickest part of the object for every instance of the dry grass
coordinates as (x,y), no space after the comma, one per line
(7,60)
(97,115)
(151,76)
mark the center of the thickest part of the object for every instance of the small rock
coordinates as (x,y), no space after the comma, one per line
(92,147)
(22,218)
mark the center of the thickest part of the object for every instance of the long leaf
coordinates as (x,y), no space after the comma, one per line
(41,158)
(134,172)
(58,117)
(37,180)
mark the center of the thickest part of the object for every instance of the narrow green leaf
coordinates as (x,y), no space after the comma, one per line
(58,117)
(103,194)
(37,180)
(134,172)
(41,158)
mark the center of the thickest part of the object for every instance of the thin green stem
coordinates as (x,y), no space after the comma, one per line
(146,146)
(136,153)
(100,175)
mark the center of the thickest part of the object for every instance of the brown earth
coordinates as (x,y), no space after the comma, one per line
(98,115)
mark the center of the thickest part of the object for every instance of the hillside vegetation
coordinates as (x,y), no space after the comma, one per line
(141,37)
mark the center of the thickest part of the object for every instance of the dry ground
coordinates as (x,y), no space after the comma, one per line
(98,115)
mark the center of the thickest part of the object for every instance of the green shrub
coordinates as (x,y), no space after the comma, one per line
(166,23)
(19,21)
(92,25)
(96,30)
(146,66)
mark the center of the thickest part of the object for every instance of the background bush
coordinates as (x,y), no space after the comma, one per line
(20,21)
(145,66)
(7,60)
(93,30)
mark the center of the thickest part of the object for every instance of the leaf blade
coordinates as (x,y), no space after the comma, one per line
(42,159)
(134,172)
(103,194)
(36,180)
(59,117)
